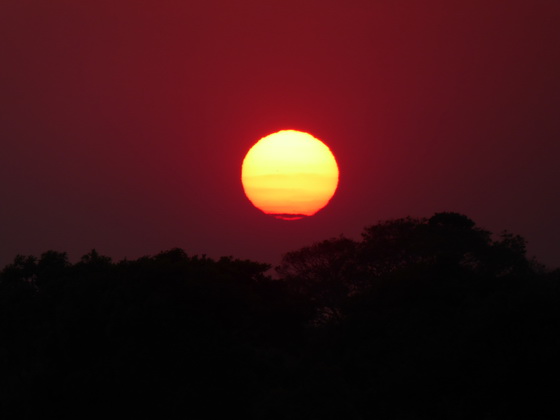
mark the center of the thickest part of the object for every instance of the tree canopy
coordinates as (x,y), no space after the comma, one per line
(419,318)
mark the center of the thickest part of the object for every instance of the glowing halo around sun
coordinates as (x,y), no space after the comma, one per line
(289,175)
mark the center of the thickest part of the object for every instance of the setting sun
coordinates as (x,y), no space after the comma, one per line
(289,174)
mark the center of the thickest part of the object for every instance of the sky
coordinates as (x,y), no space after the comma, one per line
(124,123)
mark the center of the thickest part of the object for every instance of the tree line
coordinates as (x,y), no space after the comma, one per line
(420,318)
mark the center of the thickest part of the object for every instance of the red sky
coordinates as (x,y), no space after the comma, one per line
(123,124)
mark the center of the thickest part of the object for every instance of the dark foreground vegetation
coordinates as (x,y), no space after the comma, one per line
(421,319)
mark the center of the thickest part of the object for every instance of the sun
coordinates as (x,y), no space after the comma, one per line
(289,174)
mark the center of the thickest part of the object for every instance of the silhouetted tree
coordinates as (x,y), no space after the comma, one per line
(325,273)
(438,307)
(421,318)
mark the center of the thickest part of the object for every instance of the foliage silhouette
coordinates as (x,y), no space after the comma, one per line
(421,318)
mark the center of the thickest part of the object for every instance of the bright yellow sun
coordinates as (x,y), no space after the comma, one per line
(289,174)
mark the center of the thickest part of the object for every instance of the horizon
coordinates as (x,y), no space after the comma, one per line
(272,271)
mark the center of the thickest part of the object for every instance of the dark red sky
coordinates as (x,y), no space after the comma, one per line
(123,124)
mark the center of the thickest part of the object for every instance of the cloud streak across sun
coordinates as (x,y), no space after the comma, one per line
(289,174)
